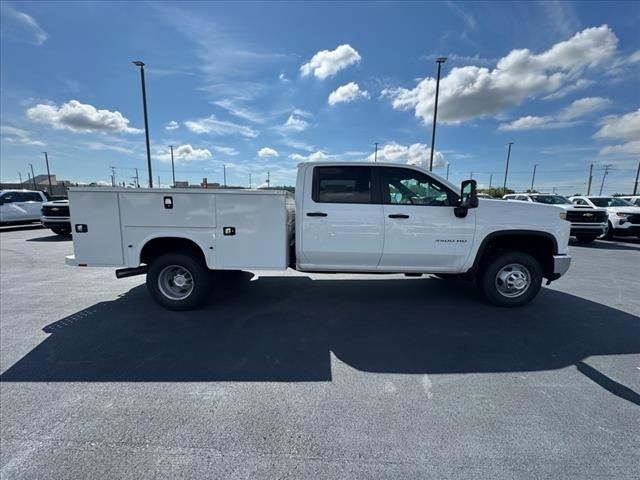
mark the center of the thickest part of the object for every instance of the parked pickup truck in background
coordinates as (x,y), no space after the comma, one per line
(347,217)
(623,217)
(55,215)
(586,226)
(20,206)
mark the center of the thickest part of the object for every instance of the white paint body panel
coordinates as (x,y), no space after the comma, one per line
(21,211)
(351,238)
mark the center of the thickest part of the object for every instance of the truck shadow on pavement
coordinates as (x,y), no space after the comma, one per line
(284,329)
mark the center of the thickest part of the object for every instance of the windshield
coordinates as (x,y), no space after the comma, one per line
(610,202)
(551,199)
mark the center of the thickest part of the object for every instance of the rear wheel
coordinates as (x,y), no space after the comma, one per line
(510,279)
(178,281)
(586,238)
(61,230)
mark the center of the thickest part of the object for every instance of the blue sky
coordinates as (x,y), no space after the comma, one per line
(261,86)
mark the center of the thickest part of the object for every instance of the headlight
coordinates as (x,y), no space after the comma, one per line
(563,215)
(623,215)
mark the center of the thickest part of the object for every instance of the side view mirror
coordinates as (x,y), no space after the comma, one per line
(468,194)
(468,198)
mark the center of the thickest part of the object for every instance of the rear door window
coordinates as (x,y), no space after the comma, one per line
(348,184)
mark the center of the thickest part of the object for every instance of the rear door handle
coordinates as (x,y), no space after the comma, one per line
(316,214)
(398,215)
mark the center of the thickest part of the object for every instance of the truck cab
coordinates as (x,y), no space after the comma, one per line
(348,217)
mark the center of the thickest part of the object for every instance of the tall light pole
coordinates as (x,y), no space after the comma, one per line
(375,158)
(533,178)
(33,177)
(490,180)
(606,172)
(46,159)
(590,179)
(635,185)
(506,169)
(140,64)
(439,61)
(448,165)
(20,175)
(224,173)
(173,169)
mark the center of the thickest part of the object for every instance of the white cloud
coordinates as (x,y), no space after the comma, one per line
(296,122)
(347,93)
(313,157)
(213,126)
(579,84)
(327,63)
(80,117)
(18,135)
(624,127)
(184,154)
(568,116)
(414,154)
(106,146)
(472,91)
(241,112)
(283,78)
(266,152)
(230,151)
(19,25)
(172,125)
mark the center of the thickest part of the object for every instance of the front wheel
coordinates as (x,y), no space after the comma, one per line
(178,281)
(510,279)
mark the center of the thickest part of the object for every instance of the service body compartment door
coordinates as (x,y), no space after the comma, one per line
(95,223)
(252,231)
(168,209)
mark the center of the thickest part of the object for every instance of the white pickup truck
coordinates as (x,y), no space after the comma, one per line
(347,217)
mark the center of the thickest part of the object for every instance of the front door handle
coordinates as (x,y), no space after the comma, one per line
(398,215)
(316,214)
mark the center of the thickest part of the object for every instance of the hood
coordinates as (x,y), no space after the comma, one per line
(623,209)
(59,203)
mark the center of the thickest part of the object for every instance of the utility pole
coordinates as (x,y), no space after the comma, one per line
(606,172)
(113,176)
(439,61)
(224,170)
(20,175)
(635,186)
(249,180)
(46,159)
(506,169)
(140,64)
(533,178)
(448,165)
(471,175)
(137,178)
(33,177)
(375,158)
(268,179)
(159,186)
(590,179)
(490,180)
(173,169)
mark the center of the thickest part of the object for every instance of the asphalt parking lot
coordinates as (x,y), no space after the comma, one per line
(316,376)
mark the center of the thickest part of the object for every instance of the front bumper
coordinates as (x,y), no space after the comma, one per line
(626,229)
(588,229)
(561,264)
(55,222)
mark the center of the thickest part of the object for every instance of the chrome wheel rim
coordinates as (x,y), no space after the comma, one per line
(513,280)
(175,282)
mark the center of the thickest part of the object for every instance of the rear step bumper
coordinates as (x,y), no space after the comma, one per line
(131,272)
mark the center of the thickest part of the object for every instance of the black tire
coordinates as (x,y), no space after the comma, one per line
(527,267)
(61,230)
(609,234)
(586,238)
(162,285)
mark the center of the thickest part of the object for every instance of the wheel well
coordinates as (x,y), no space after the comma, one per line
(540,246)
(159,246)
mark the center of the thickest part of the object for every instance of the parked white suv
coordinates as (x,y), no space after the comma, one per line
(586,226)
(634,199)
(624,217)
(20,206)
